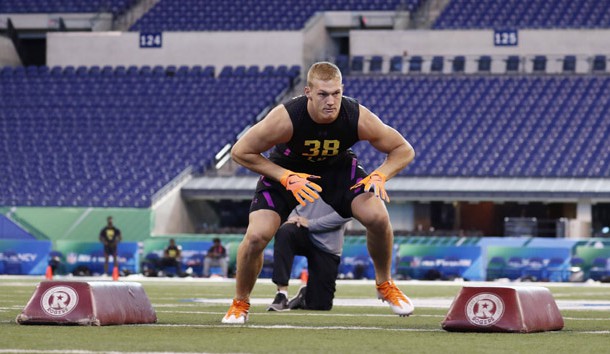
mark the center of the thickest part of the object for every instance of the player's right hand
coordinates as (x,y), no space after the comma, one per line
(301,186)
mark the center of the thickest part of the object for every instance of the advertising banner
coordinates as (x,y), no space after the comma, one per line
(24,256)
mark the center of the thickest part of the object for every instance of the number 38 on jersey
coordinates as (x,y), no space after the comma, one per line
(319,150)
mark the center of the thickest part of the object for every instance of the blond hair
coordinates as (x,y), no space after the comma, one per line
(324,71)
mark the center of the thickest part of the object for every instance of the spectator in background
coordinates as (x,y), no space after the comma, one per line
(172,255)
(110,237)
(216,257)
(315,231)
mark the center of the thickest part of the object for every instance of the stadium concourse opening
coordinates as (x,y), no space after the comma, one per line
(434,218)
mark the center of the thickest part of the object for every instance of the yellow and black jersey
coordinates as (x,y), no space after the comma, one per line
(318,144)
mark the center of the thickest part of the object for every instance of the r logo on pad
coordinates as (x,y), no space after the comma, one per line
(484,309)
(59,300)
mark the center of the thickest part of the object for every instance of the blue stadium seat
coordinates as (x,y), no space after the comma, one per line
(484,64)
(599,64)
(135,109)
(569,64)
(268,70)
(342,62)
(466,14)
(600,269)
(396,64)
(458,64)
(226,71)
(357,64)
(376,64)
(253,71)
(512,63)
(415,64)
(539,63)
(218,15)
(239,71)
(437,65)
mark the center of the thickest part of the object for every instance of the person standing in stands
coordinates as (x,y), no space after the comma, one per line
(110,237)
(216,257)
(315,231)
(312,135)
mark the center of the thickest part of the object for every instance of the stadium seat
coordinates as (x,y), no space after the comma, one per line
(342,62)
(415,64)
(557,270)
(534,269)
(253,71)
(600,269)
(376,64)
(267,71)
(578,14)
(220,15)
(484,64)
(226,71)
(569,64)
(599,64)
(135,108)
(514,268)
(539,64)
(396,64)
(512,63)
(437,65)
(458,64)
(357,65)
(239,71)
(158,70)
(131,70)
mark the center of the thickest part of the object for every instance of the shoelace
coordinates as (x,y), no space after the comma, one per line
(238,308)
(391,293)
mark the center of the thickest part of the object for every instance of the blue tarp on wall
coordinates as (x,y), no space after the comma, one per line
(10,230)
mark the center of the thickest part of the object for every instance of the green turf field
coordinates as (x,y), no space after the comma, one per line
(189,313)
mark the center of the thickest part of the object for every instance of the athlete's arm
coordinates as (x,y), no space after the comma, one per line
(274,129)
(387,140)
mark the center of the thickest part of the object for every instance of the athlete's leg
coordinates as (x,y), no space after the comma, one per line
(372,213)
(284,252)
(106,262)
(261,228)
(323,269)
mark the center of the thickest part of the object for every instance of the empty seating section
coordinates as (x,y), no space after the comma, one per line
(493,126)
(116,7)
(114,136)
(246,15)
(469,14)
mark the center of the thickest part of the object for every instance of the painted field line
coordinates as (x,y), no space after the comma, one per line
(81,351)
(435,303)
(298,313)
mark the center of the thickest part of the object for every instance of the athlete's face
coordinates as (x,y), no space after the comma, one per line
(324,99)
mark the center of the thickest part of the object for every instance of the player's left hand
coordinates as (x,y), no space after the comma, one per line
(375,180)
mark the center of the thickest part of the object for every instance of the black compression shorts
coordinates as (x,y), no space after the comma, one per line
(336,180)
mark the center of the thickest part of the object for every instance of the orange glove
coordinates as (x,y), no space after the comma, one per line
(301,186)
(375,180)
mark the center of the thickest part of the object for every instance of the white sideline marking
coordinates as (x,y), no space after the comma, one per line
(436,303)
(80,351)
(316,328)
